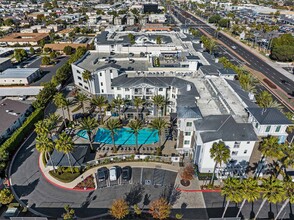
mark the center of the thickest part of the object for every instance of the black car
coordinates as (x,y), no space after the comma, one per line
(102,174)
(126,173)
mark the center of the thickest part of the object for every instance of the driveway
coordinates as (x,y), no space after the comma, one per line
(35,192)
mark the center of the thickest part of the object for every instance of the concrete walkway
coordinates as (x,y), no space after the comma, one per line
(70,186)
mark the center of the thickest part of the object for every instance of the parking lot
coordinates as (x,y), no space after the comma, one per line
(142,176)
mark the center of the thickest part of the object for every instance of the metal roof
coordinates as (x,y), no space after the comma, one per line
(18,72)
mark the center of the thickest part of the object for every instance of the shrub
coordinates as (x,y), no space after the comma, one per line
(46,61)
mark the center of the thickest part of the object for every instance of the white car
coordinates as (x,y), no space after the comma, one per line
(234,47)
(113,174)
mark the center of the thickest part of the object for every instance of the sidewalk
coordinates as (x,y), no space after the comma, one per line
(70,186)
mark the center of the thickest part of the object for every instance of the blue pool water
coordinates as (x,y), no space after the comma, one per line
(123,136)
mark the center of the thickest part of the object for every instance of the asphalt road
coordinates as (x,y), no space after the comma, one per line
(255,62)
(35,192)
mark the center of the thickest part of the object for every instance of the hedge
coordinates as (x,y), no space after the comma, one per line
(11,144)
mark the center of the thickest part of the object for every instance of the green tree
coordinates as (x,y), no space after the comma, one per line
(136,126)
(45,145)
(46,61)
(131,38)
(159,124)
(67,104)
(32,51)
(272,191)
(250,191)
(59,101)
(89,125)
(224,22)
(87,76)
(159,102)
(138,102)
(117,103)
(65,144)
(69,213)
(282,48)
(158,40)
(220,153)
(9,22)
(112,125)
(264,99)
(68,50)
(270,147)
(100,102)
(6,196)
(82,98)
(53,55)
(214,19)
(119,209)
(232,192)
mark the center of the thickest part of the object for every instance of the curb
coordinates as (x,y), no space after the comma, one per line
(60,186)
(198,190)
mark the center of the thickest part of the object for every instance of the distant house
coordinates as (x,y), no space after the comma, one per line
(24,38)
(269,121)
(19,76)
(12,115)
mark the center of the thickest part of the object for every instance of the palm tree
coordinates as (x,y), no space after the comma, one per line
(112,125)
(159,102)
(41,128)
(270,147)
(136,126)
(158,40)
(52,122)
(81,98)
(232,192)
(67,104)
(212,46)
(59,101)
(220,153)
(159,124)
(87,77)
(273,192)
(45,145)
(138,102)
(263,99)
(89,124)
(65,144)
(288,185)
(250,191)
(100,102)
(117,103)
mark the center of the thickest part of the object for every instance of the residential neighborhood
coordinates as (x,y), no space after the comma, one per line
(146,109)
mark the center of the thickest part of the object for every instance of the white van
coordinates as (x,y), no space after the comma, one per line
(113,174)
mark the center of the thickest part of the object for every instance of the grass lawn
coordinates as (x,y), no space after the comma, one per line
(64,177)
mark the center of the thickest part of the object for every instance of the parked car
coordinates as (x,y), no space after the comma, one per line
(102,174)
(113,173)
(234,47)
(126,173)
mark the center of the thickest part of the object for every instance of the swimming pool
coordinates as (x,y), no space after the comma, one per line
(123,136)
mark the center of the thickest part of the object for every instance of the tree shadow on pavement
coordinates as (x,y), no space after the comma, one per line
(135,195)
(25,190)
(170,194)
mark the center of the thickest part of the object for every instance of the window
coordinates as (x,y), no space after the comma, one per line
(118,88)
(80,84)
(127,96)
(245,151)
(102,91)
(127,89)
(86,87)
(101,83)
(112,87)
(248,142)
(186,142)
(79,78)
(278,128)
(110,71)
(100,74)
(237,144)
(160,89)
(234,153)
(189,124)
(256,125)
(187,133)
(268,128)
(78,71)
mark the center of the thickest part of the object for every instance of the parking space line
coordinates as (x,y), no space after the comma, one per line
(141,178)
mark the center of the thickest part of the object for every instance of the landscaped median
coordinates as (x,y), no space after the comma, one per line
(86,181)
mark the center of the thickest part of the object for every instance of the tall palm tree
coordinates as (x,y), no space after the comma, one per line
(117,103)
(59,101)
(159,101)
(159,124)
(67,104)
(220,153)
(52,122)
(273,192)
(270,147)
(138,102)
(41,128)
(250,191)
(136,126)
(212,46)
(112,125)
(45,145)
(87,76)
(82,98)
(231,191)
(100,102)
(288,185)
(89,125)
(263,99)
(65,144)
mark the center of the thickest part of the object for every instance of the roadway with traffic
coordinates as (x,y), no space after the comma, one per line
(254,62)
